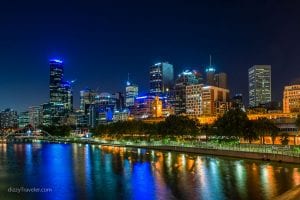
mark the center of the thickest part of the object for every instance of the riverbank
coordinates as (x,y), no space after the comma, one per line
(238,152)
(293,194)
(217,152)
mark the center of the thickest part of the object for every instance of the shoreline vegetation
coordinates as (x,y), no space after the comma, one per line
(180,133)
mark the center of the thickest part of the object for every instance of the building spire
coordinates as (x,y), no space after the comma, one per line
(128,81)
(210,60)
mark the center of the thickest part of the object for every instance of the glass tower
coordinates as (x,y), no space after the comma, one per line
(60,91)
(259,77)
(184,79)
(131,93)
(161,78)
(56,81)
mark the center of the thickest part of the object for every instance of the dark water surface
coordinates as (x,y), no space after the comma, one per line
(75,171)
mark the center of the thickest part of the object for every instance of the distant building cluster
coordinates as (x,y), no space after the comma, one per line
(192,93)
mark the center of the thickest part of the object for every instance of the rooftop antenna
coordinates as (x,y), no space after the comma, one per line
(209,59)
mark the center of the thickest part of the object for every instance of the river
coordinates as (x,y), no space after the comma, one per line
(83,171)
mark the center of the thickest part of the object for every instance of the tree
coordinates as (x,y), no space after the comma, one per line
(57,130)
(284,138)
(265,126)
(297,122)
(273,132)
(232,123)
(207,130)
(250,133)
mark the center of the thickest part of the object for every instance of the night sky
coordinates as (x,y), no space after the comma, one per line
(100,42)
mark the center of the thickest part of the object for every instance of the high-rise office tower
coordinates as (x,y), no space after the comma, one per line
(161,78)
(259,77)
(87,98)
(210,73)
(179,93)
(60,91)
(131,93)
(221,80)
(119,97)
(67,95)
(23,119)
(35,116)
(61,96)
(56,81)
(8,118)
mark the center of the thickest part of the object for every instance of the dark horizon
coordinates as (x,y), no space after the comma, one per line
(102,42)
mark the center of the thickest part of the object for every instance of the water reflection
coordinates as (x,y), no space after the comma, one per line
(76,171)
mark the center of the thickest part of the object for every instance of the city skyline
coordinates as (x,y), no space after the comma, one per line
(100,48)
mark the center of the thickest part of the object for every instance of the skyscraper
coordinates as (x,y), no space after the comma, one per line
(87,98)
(179,93)
(119,97)
(161,78)
(210,73)
(67,95)
(61,95)
(60,90)
(35,116)
(56,81)
(131,93)
(221,80)
(259,77)
(23,119)
(8,118)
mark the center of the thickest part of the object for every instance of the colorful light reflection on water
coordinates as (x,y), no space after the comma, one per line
(76,171)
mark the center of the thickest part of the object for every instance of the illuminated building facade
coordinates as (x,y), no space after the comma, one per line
(131,93)
(87,98)
(119,97)
(206,100)
(60,90)
(144,106)
(102,110)
(68,95)
(8,119)
(179,93)
(156,107)
(215,100)
(221,80)
(161,78)
(35,116)
(291,99)
(259,77)
(56,81)
(121,115)
(210,75)
(194,100)
(23,119)
(61,95)
(237,102)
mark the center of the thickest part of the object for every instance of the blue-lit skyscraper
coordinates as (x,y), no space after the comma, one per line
(60,91)
(61,96)
(56,81)
(161,78)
